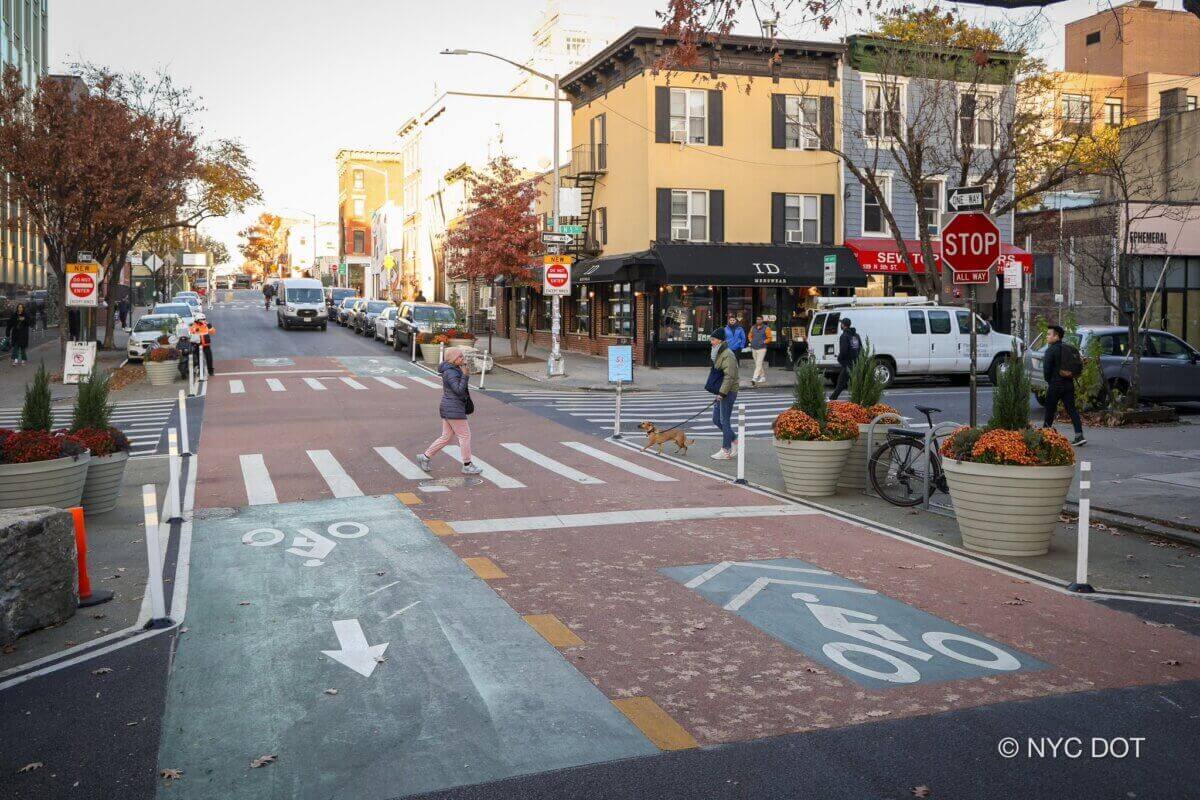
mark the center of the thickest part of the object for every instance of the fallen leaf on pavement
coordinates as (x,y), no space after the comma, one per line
(878,713)
(102,671)
(921,791)
(97,616)
(31,766)
(130,724)
(381,659)
(1143,576)
(331,691)
(814,670)
(1171,662)
(243,602)
(1158,624)
(1016,601)
(171,774)
(183,630)
(9,648)
(262,761)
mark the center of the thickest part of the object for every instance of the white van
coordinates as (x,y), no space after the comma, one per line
(300,302)
(909,337)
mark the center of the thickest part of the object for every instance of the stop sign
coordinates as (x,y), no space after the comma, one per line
(82,285)
(971,243)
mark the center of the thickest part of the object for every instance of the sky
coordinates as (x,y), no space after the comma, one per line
(295,81)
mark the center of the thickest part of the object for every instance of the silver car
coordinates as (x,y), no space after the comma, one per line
(146,330)
(1170,367)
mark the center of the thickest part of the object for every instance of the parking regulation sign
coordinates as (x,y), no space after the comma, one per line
(83,284)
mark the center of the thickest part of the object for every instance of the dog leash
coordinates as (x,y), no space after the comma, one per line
(692,417)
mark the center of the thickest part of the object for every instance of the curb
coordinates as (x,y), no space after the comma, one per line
(1143,525)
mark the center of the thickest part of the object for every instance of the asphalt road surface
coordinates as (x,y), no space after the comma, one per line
(578,621)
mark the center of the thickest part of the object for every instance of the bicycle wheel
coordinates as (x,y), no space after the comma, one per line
(897,470)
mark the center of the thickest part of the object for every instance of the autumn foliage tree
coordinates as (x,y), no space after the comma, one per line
(263,243)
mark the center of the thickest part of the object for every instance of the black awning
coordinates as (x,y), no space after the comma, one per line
(609,269)
(754,265)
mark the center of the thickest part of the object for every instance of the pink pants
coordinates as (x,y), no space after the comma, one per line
(452,427)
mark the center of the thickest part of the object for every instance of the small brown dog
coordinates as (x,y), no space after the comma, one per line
(657,437)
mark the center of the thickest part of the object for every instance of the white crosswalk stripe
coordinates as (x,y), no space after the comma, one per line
(237,387)
(400,462)
(341,484)
(489,473)
(142,421)
(618,462)
(260,490)
(315,384)
(353,384)
(390,383)
(276,385)
(549,463)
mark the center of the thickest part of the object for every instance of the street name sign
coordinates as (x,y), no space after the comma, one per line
(83,284)
(574,230)
(965,198)
(552,237)
(556,276)
(971,247)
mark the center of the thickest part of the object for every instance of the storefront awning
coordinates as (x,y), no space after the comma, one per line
(882,256)
(609,269)
(754,265)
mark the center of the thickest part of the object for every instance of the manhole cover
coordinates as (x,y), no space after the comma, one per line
(441,484)
(272,362)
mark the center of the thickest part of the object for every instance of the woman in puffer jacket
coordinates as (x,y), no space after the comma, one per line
(456,399)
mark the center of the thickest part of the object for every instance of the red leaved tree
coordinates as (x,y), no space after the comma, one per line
(498,235)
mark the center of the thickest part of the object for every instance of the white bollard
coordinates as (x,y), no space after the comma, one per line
(617,414)
(174,469)
(483,369)
(154,576)
(741,444)
(203,367)
(1085,513)
(191,390)
(184,442)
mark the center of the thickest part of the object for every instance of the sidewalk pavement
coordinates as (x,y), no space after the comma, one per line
(1120,559)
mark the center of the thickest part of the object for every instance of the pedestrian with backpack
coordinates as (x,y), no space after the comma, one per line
(1061,366)
(849,347)
(455,407)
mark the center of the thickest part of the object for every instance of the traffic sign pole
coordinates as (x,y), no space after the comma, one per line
(972,306)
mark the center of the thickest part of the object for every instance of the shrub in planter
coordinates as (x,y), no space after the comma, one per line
(811,443)
(109,447)
(865,403)
(1008,481)
(41,468)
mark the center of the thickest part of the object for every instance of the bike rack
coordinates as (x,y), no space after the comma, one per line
(930,435)
(871,449)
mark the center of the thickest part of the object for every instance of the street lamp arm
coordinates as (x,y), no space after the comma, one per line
(553,81)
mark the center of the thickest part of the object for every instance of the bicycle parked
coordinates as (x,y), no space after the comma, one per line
(898,467)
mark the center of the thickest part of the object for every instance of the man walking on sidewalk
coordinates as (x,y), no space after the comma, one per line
(760,337)
(1061,365)
(849,346)
(725,361)
(735,335)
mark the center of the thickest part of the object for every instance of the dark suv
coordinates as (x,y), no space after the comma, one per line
(341,311)
(417,318)
(364,316)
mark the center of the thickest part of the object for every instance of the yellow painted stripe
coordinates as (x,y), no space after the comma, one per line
(656,724)
(408,498)
(484,568)
(440,527)
(552,630)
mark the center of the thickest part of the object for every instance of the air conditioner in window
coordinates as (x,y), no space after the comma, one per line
(681,234)
(795,237)
(679,137)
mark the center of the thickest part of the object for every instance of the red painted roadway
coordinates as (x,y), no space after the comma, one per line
(645,634)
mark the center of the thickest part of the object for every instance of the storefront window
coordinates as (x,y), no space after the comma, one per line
(740,303)
(522,308)
(581,323)
(618,310)
(685,314)
(768,307)
(545,309)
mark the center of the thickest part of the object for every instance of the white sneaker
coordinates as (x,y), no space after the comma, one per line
(471,469)
(722,455)
(733,449)
(423,462)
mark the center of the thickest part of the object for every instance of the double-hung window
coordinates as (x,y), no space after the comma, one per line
(801,122)
(881,110)
(1077,109)
(874,222)
(801,218)
(689,215)
(931,207)
(358,179)
(978,114)
(1114,112)
(689,115)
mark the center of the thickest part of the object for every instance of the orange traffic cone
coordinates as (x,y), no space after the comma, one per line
(86,596)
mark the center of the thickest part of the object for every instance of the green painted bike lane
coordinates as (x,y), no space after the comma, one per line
(439,682)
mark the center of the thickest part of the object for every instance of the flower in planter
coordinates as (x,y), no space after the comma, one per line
(810,418)
(160,354)
(102,441)
(861,415)
(26,447)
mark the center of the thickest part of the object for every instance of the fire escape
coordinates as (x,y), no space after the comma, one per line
(585,168)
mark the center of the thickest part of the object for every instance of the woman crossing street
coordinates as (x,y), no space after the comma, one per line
(454,408)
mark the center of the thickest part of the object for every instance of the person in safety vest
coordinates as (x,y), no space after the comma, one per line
(202,333)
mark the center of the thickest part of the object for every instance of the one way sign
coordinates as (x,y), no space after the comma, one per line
(965,198)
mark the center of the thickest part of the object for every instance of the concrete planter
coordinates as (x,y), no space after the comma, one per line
(854,472)
(161,373)
(1007,510)
(57,482)
(103,485)
(812,469)
(431,354)
(461,343)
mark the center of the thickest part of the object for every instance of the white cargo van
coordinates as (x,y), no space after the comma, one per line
(909,337)
(300,302)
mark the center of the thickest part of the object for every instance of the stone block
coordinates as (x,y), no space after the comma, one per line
(38,571)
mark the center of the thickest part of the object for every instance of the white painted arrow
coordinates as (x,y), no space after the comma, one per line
(354,652)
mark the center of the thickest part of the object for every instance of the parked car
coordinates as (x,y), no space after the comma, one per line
(414,318)
(146,330)
(302,304)
(343,309)
(334,295)
(1170,367)
(385,324)
(910,338)
(353,312)
(194,302)
(181,310)
(365,314)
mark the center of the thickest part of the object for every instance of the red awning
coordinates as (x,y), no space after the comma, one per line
(882,256)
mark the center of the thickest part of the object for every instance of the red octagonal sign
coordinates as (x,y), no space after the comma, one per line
(971,246)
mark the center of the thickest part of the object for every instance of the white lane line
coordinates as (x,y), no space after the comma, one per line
(400,462)
(424,382)
(276,385)
(648,515)
(237,387)
(259,489)
(353,384)
(489,472)
(381,588)
(549,463)
(401,611)
(341,484)
(390,383)
(315,384)
(618,462)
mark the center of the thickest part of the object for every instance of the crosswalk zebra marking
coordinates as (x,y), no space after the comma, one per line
(391,384)
(353,384)
(400,462)
(335,477)
(260,491)
(489,473)
(237,387)
(276,385)
(618,462)
(549,463)
(424,382)
(315,384)
(142,421)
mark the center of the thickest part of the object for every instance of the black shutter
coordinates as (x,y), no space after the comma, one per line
(604,226)
(826,123)
(778,201)
(716,215)
(828,219)
(777,118)
(662,230)
(716,118)
(967,117)
(662,113)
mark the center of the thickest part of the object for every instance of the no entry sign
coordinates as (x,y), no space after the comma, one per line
(971,247)
(556,276)
(83,284)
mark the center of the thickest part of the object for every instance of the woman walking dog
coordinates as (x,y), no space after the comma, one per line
(456,405)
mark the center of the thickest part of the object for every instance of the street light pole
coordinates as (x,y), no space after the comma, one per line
(555,365)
